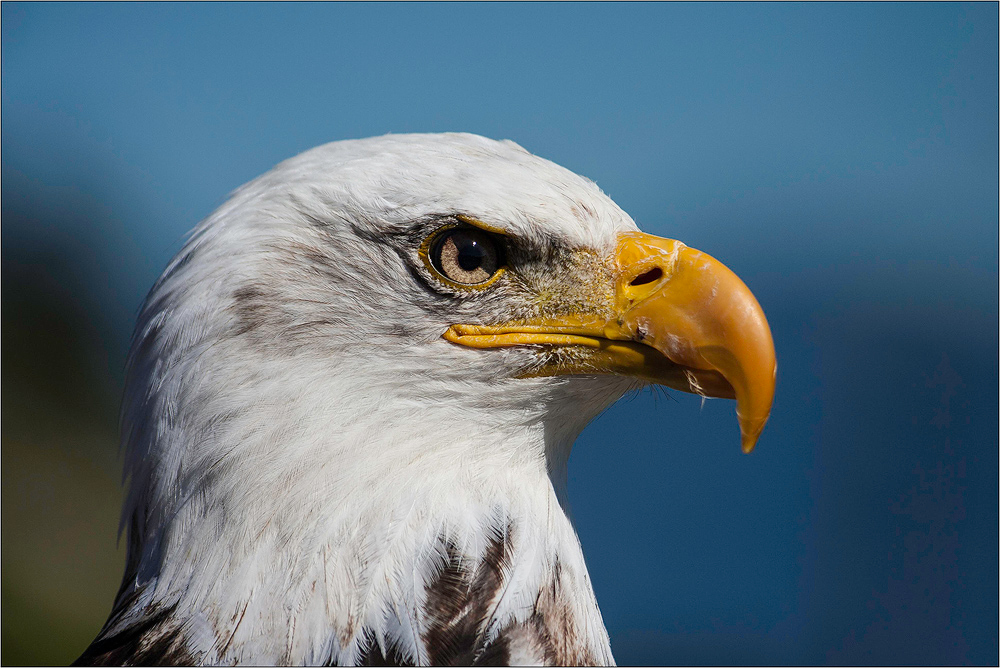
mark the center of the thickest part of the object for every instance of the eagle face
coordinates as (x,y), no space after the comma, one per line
(352,396)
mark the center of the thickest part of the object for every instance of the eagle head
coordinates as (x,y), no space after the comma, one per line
(352,395)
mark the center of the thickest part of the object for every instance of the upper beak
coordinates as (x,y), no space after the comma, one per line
(700,315)
(706,325)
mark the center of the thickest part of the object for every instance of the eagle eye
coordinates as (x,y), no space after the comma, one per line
(466,255)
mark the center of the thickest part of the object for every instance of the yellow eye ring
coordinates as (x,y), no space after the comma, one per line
(464,257)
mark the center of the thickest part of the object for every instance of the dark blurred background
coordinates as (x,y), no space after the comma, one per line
(841,158)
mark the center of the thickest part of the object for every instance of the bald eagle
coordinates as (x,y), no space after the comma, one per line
(352,395)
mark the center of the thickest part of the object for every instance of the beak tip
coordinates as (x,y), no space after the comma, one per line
(750,430)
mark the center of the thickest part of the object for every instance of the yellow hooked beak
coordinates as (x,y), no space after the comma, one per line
(682,319)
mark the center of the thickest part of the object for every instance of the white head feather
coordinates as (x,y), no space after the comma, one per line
(305,453)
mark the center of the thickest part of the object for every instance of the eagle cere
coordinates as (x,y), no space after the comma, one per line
(352,395)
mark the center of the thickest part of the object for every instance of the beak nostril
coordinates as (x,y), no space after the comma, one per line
(653,274)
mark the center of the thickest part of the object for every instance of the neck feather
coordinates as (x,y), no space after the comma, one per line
(382,541)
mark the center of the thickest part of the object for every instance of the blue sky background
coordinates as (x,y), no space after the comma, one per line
(841,158)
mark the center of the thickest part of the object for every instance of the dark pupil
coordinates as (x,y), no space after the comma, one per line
(470,252)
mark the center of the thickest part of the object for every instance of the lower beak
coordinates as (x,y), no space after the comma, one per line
(683,319)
